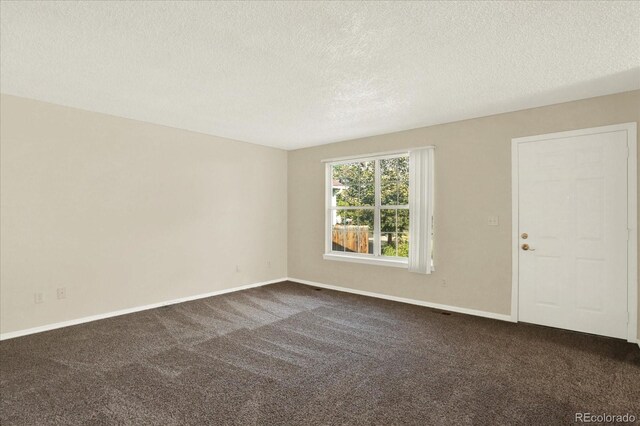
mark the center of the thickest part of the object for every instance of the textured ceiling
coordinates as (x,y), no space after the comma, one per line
(291,75)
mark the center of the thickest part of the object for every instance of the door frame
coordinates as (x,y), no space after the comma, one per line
(632,215)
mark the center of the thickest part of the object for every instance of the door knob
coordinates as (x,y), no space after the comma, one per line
(526,247)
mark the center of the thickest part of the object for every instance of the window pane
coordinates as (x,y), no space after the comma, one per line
(388,244)
(337,230)
(403,244)
(394,236)
(353,184)
(350,217)
(403,193)
(403,220)
(394,169)
(389,170)
(403,169)
(352,231)
(389,193)
(367,172)
(367,193)
(388,220)
(365,231)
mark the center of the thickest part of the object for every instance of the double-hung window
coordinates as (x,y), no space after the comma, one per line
(380,209)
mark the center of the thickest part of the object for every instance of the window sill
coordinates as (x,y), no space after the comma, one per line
(367,260)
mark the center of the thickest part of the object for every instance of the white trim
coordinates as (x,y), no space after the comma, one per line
(374,155)
(515,226)
(328,212)
(632,225)
(632,215)
(39,329)
(368,259)
(377,230)
(431,210)
(466,311)
(578,132)
(342,208)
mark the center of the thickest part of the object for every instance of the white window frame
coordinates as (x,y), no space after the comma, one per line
(376,258)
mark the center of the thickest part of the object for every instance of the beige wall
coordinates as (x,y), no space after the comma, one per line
(473,181)
(124,213)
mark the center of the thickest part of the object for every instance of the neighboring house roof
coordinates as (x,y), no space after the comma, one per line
(338,184)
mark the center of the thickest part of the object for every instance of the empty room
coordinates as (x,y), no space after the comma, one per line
(319,212)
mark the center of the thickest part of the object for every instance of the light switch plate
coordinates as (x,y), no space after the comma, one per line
(493,221)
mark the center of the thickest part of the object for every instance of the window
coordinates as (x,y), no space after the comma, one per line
(379,209)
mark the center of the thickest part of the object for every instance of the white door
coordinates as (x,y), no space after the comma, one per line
(572,195)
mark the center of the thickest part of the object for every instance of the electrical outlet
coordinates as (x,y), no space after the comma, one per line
(443,283)
(62,293)
(493,221)
(37,298)
(268,264)
(237,268)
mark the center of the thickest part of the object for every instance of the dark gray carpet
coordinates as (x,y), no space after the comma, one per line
(288,354)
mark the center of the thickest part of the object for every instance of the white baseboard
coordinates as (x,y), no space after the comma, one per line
(485,314)
(13,334)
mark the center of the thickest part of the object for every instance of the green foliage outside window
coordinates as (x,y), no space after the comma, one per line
(354,186)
